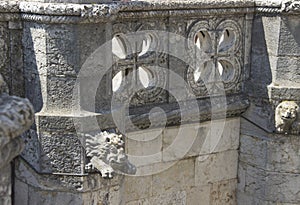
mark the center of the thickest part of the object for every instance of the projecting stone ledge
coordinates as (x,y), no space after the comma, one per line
(16,116)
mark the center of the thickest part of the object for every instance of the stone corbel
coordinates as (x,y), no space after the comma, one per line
(105,153)
(287,117)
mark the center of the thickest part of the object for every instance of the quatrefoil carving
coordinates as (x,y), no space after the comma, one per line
(135,76)
(216,52)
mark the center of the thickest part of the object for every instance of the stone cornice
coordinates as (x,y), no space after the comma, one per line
(139,118)
(105,9)
(101,12)
(89,12)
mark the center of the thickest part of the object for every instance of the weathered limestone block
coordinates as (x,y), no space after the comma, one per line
(61,152)
(287,71)
(178,197)
(185,141)
(224,192)
(179,176)
(268,168)
(5,185)
(277,154)
(283,92)
(54,55)
(289,40)
(268,186)
(252,182)
(144,147)
(33,188)
(216,167)
(133,189)
(283,154)
(253,151)
(200,139)
(283,188)
(199,194)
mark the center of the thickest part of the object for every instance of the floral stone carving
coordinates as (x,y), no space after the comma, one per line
(286,117)
(105,152)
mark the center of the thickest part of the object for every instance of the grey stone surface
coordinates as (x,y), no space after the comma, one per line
(267,186)
(216,167)
(200,139)
(61,152)
(288,38)
(268,162)
(268,168)
(45,43)
(275,154)
(16,115)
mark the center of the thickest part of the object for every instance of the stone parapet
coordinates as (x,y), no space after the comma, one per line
(136,67)
(81,62)
(56,51)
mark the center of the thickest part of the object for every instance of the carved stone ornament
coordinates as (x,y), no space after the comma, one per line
(290,5)
(105,152)
(16,116)
(286,117)
(137,62)
(218,56)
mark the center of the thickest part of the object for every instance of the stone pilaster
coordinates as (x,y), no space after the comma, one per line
(269,152)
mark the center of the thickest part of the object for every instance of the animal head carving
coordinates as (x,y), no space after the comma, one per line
(106,153)
(285,115)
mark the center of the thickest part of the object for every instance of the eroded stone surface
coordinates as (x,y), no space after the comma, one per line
(58,38)
(216,167)
(16,115)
